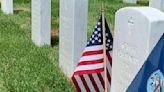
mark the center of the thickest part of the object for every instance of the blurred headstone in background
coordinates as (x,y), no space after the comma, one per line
(130,1)
(7,6)
(41,22)
(159,4)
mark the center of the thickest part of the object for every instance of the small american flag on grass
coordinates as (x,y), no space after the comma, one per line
(89,73)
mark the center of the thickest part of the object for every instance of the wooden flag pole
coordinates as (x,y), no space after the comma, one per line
(104,47)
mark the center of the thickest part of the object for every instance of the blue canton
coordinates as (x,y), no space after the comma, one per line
(97,37)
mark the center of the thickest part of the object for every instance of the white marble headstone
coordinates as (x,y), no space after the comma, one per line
(73,33)
(137,30)
(159,4)
(7,6)
(130,1)
(41,22)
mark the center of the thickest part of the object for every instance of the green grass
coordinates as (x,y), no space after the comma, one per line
(23,66)
(26,68)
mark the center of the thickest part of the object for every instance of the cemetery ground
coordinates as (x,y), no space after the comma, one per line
(25,67)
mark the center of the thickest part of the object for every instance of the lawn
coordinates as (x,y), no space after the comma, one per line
(26,68)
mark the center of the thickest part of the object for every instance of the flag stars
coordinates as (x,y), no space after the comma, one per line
(98,23)
(99,29)
(99,34)
(111,46)
(93,41)
(96,26)
(108,40)
(99,40)
(92,36)
(96,38)
(95,32)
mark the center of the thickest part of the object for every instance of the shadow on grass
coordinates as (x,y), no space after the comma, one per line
(54,37)
(144,3)
(54,40)
(19,10)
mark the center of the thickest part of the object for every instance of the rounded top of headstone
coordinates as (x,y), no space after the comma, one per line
(150,13)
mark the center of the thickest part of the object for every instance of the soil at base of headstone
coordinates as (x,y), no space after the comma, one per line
(19,10)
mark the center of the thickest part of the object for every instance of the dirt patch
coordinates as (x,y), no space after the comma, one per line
(54,32)
(19,10)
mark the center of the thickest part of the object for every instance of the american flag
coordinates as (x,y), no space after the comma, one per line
(89,73)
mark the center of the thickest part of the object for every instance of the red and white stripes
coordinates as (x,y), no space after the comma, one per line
(89,73)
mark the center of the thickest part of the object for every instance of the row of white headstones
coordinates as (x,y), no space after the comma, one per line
(137,30)
(7,5)
(159,4)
